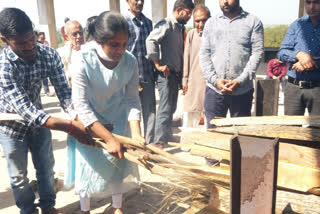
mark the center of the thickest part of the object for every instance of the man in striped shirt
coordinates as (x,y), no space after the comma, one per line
(24,63)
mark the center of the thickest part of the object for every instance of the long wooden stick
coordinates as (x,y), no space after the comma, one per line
(131,142)
(268,120)
(272,131)
(219,152)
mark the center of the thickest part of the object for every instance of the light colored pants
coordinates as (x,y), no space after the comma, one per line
(191,119)
(116,202)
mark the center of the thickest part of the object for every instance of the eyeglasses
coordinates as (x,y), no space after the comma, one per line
(75,34)
(188,12)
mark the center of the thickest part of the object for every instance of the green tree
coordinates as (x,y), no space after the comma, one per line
(274,35)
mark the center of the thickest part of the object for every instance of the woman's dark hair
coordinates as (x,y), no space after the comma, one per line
(184,4)
(106,25)
(14,22)
(89,29)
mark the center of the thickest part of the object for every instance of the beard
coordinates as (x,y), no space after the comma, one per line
(231,8)
(181,21)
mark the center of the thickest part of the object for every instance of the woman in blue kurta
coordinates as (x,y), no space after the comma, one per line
(104,91)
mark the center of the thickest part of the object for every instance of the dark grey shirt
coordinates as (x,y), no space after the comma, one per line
(232,49)
(165,44)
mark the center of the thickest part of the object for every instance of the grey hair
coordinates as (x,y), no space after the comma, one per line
(68,25)
(203,7)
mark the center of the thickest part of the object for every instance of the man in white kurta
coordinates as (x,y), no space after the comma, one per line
(193,81)
(74,36)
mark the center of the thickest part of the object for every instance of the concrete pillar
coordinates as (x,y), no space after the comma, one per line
(114,5)
(199,2)
(302,11)
(159,10)
(52,24)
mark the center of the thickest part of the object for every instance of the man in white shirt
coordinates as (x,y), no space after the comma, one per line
(74,36)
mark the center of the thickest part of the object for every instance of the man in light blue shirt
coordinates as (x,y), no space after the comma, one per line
(230,52)
(301,48)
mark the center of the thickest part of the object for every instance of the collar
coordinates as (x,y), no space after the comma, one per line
(12,56)
(241,14)
(308,19)
(133,17)
(175,21)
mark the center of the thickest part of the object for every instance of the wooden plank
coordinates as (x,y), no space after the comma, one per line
(266,97)
(273,131)
(302,173)
(268,120)
(295,177)
(299,155)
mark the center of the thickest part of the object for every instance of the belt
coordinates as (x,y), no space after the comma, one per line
(303,83)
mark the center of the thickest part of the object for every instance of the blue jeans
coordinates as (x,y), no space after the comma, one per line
(16,152)
(217,105)
(148,105)
(168,93)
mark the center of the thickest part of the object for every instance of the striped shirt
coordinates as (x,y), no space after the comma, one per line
(20,85)
(139,31)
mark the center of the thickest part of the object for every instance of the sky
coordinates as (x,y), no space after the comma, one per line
(271,12)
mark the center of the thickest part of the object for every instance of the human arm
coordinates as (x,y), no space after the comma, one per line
(257,49)
(73,128)
(186,62)
(136,131)
(206,52)
(80,96)
(288,49)
(133,105)
(153,43)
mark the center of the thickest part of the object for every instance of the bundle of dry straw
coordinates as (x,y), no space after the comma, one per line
(194,177)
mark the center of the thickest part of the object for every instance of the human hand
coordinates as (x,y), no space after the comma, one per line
(79,132)
(306,61)
(232,85)
(113,147)
(185,89)
(163,68)
(298,67)
(274,77)
(139,139)
(221,85)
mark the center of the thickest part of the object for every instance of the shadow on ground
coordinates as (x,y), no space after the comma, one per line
(59,144)
(161,198)
(4,199)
